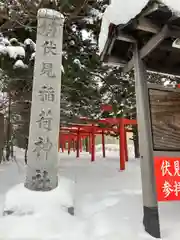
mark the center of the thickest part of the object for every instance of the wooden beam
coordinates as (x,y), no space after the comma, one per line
(152,8)
(167,46)
(174,32)
(114,62)
(125,37)
(111,46)
(147,26)
(149,47)
(164,70)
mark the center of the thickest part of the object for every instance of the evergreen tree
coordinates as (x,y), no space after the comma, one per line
(80,95)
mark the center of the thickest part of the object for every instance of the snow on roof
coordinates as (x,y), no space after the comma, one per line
(174,5)
(121,12)
(118,12)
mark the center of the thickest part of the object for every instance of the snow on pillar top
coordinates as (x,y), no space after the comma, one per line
(50,13)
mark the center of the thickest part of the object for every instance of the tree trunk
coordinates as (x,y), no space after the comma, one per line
(2,136)
(25,155)
(8,132)
(136,143)
(12,150)
(87,144)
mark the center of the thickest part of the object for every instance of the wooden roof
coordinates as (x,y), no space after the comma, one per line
(154,30)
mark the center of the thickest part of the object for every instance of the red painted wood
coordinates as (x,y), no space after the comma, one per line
(90,143)
(93,145)
(80,143)
(77,144)
(91,129)
(106,107)
(121,145)
(103,145)
(62,145)
(126,146)
(69,144)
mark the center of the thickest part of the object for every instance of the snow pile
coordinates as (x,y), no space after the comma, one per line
(18,51)
(15,51)
(22,201)
(54,225)
(111,149)
(29,42)
(108,204)
(40,214)
(121,12)
(20,64)
(78,63)
(174,5)
(3,50)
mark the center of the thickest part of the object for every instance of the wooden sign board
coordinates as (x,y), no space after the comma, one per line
(164,107)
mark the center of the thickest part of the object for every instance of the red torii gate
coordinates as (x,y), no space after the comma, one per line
(77,132)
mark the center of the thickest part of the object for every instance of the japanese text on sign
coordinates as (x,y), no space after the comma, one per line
(47,94)
(47,69)
(167,171)
(45,120)
(42,145)
(49,28)
(49,47)
(166,168)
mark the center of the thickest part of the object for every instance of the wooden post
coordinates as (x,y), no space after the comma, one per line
(90,143)
(69,144)
(42,168)
(93,145)
(103,145)
(8,128)
(62,145)
(59,139)
(73,145)
(78,143)
(121,145)
(87,144)
(2,136)
(126,145)
(151,215)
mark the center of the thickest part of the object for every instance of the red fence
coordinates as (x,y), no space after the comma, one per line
(73,136)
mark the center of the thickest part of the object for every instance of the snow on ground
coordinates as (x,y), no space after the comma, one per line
(11,173)
(121,12)
(108,203)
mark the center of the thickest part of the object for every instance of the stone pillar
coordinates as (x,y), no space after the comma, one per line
(42,171)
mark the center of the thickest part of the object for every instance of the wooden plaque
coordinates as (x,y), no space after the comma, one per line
(165,119)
